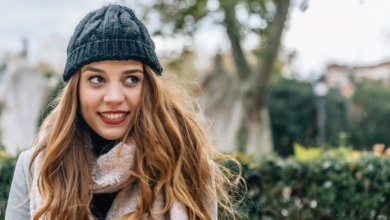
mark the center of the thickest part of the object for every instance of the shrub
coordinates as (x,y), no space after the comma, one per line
(337,184)
(7,167)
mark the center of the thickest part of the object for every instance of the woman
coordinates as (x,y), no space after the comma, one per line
(121,144)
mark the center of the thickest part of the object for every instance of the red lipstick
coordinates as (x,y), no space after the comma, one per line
(105,116)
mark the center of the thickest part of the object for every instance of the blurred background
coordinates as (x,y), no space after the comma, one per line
(291,87)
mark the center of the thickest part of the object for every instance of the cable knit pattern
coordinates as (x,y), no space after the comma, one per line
(108,164)
(112,32)
(108,176)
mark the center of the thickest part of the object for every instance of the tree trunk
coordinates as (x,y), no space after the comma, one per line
(248,91)
(241,63)
(260,80)
(256,121)
(259,135)
(223,106)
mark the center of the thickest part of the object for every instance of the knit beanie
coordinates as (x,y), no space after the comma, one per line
(110,33)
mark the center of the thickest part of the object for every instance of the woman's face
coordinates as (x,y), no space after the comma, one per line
(109,94)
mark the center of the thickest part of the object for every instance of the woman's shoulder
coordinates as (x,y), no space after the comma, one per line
(23,163)
(26,155)
(18,204)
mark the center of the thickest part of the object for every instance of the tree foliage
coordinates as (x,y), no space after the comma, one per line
(370,114)
(293,113)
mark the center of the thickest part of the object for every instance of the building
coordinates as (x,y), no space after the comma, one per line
(344,77)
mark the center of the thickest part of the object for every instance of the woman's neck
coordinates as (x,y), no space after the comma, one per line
(100,145)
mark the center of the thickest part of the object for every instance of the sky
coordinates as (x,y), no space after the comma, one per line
(347,32)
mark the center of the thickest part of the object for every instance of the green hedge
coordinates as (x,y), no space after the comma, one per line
(7,167)
(315,184)
(337,184)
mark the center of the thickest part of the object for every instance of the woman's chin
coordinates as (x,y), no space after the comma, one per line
(112,134)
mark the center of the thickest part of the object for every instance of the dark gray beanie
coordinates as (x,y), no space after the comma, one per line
(110,33)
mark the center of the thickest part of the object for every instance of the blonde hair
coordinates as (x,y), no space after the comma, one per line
(172,156)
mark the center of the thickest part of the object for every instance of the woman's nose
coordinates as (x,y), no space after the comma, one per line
(114,95)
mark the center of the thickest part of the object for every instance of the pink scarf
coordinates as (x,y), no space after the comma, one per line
(108,176)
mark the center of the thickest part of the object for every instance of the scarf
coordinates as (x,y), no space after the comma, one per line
(108,176)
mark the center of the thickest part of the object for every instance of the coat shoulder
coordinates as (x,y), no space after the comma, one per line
(18,206)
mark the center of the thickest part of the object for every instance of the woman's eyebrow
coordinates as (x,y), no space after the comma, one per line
(133,71)
(94,69)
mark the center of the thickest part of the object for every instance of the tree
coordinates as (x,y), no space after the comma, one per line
(183,18)
(370,113)
(293,111)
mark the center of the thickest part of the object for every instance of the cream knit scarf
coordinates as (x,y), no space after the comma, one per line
(108,176)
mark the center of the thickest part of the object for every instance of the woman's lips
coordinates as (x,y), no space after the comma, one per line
(112,121)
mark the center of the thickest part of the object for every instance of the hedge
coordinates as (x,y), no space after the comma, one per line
(331,184)
(7,167)
(316,183)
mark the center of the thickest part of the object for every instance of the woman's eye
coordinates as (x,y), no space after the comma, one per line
(96,79)
(132,79)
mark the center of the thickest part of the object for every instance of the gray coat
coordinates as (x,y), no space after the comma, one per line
(18,207)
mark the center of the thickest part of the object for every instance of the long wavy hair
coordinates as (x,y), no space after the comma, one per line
(172,156)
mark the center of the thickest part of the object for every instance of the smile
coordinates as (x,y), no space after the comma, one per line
(113,118)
